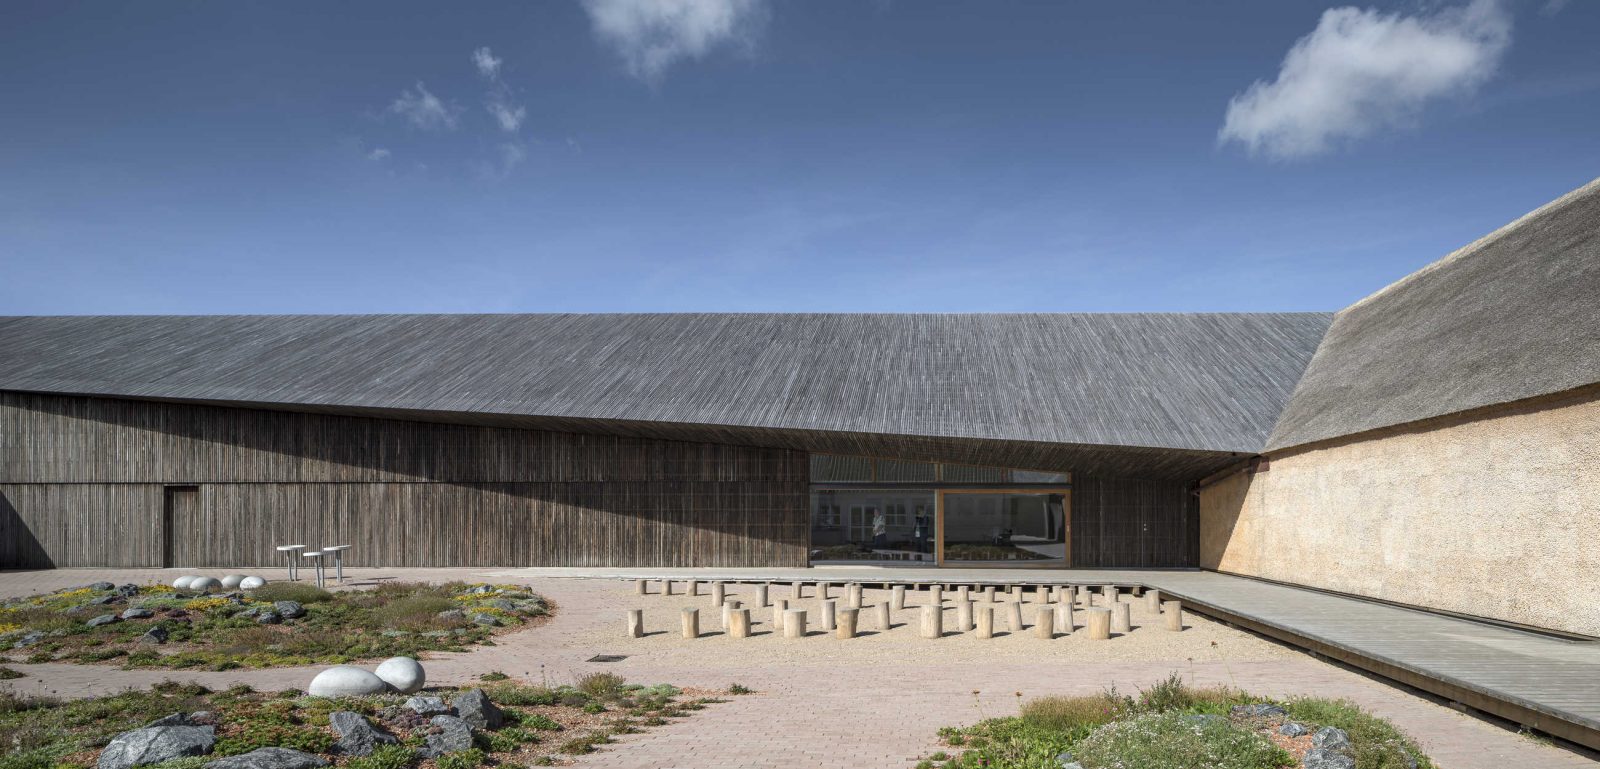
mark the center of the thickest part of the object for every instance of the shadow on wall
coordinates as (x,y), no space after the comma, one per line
(19,549)
(1221,504)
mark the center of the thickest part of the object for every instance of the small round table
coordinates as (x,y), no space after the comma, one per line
(317,554)
(338,561)
(288,550)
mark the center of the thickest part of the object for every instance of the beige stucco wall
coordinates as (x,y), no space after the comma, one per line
(1497,516)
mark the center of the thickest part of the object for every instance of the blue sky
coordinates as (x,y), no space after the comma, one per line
(771,155)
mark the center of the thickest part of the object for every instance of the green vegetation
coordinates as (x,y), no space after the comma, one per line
(44,733)
(248,629)
(971,552)
(740,689)
(1169,726)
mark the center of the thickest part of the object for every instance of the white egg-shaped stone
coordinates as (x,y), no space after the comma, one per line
(346,681)
(232,581)
(251,583)
(403,673)
(182,583)
(204,584)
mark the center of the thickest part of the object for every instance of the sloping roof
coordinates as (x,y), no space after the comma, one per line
(1188,382)
(1512,316)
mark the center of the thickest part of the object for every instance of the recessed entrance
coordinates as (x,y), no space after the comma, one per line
(993,527)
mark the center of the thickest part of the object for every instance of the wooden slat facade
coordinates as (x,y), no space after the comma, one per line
(1134,523)
(84,482)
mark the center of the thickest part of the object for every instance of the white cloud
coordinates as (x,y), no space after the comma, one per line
(511,155)
(652,35)
(1361,71)
(378,154)
(424,110)
(488,66)
(507,115)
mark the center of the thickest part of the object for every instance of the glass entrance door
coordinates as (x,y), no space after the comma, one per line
(1003,528)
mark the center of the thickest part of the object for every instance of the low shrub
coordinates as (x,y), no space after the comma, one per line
(471,758)
(601,685)
(291,591)
(1375,743)
(384,757)
(1174,740)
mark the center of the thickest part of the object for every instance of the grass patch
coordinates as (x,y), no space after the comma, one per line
(1376,743)
(213,632)
(1177,740)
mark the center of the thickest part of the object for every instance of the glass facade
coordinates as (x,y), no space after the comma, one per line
(873,510)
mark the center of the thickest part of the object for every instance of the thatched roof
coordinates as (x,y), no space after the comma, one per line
(1513,316)
(1201,384)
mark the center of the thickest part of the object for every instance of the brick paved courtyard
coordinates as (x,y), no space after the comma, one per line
(875,701)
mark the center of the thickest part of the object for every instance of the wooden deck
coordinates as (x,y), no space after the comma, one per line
(1545,682)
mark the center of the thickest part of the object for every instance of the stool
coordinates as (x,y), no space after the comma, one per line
(338,561)
(317,554)
(288,550)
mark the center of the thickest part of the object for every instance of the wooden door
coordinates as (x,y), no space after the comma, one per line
(181,528)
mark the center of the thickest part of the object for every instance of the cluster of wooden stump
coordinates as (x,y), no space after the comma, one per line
(1055,608)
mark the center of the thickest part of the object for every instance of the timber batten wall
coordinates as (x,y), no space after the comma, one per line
(82,483)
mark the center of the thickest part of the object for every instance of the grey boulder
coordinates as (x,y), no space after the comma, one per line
(102,586)
(138,614)
(475,708)
(105,600)
(1292,729)
(428,706)
(155,635)
(486,619)
(357,736)
(1322,758)
(28,640)
(1330,738)
(290,609)
(128,590)
(175,719)
(104,619)
(269,758)
(1258,710)
(155,744)
(268,618)
(446,734)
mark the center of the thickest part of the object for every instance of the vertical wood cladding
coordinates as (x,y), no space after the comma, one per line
(1132,524)
(83,482)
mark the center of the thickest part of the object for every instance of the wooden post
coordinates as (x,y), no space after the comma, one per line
(1099,623)
(1110,593)
(964,616)
(1014,616)
(779,606)
(1044,622)
(1152,601)
(847,623)
(1121,618)
(691,623)
(1064,618)
(739,626)
(1041,594)
(719,593)
(897,598)
(829,611)
(795,589)
(666,587)
(761,596)
(963,593)
(1011,590)
(883,615)
(636,623)
(988,594)
(1136,590)
(986,622)
(694,587)
(935,595)
(794,623)
(728,605)
(639,587)
(1173,612)
(822,590)
(855,595)
(932,621)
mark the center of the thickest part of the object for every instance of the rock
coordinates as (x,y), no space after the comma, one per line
(428,706)
(105,600)
(232,581)
(268,618)
(1322,758)
(251,583)
(357,736)
(182,583)
(269,758)
(290,609)
(1293,729)
(104,619)
(155,744)
(402,673)
(1065,761)
(102,586)
(394,634)
(128,590)
(138,614)
(346,681)
(475,708)
(447,734)
(481,589)
(452,615)
(204,584)
(176,719)
(155,635)
(1331,738)
(486,619)
(1258,710)
(203,718)
(28,640)
(501,604)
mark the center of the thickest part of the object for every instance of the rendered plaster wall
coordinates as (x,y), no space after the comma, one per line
(1497,515)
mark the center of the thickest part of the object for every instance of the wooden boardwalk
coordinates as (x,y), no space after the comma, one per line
(1545,682)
